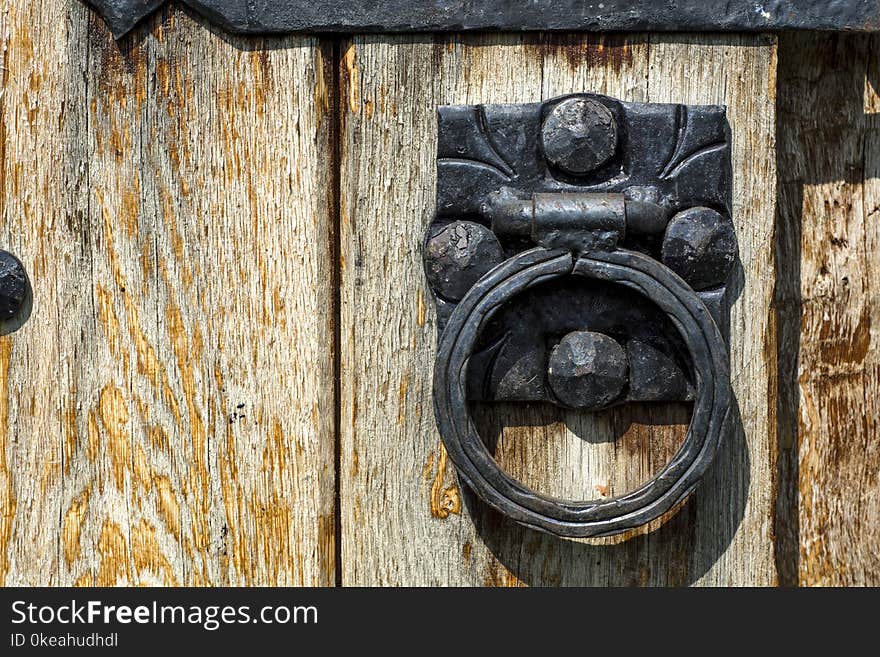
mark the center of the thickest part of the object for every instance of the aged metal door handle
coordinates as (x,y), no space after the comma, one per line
(580,255)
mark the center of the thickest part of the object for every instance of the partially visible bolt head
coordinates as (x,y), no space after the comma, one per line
(588,370)
(700,246)
(14,287)
(458,256)
(579,136)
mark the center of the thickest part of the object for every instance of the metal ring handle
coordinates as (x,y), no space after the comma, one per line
(476,465)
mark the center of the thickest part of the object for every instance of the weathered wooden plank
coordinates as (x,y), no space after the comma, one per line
(166,415)
(739,504)
(829,310)
(404,518)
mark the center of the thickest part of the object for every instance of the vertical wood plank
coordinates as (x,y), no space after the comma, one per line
(739,505)
(166,414)
(828,305)
(404,518)
(43,204)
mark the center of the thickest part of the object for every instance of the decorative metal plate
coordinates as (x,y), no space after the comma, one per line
(668,169)
(352,16)
(581,254)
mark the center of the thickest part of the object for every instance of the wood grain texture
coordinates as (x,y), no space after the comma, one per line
(829,310)
(166,415)
(404,518)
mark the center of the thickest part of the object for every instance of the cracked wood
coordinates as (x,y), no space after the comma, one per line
(162,416)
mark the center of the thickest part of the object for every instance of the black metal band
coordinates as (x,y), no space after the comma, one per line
(358,16)
(476,465)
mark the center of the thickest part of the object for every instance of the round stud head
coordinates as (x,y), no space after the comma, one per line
(13,285)
(579,135)
(700,246)
(458,256)
(588,370)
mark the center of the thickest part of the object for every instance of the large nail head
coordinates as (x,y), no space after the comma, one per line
(13,285)
(458,255)
(700,246)
(588,370)
(579,135)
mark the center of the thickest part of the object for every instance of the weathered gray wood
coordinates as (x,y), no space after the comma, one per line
(166,414)
(404,518)
(829,236)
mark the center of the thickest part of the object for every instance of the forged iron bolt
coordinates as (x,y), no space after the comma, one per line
(588,370)
(700,246)
(13,286)
(579,136)
(458,256)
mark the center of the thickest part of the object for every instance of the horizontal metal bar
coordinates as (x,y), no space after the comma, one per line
(354,16)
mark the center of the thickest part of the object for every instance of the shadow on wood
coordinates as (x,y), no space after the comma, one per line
(683,548)
(825,222)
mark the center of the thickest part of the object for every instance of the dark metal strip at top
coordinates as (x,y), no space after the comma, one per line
(353,16)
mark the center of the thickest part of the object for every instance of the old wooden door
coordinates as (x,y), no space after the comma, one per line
(226,378)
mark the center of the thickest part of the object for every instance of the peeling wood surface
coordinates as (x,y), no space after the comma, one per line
(163,413)
(404,518)
(829,310)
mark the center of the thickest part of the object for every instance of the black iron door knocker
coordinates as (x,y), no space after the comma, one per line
(581,254)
